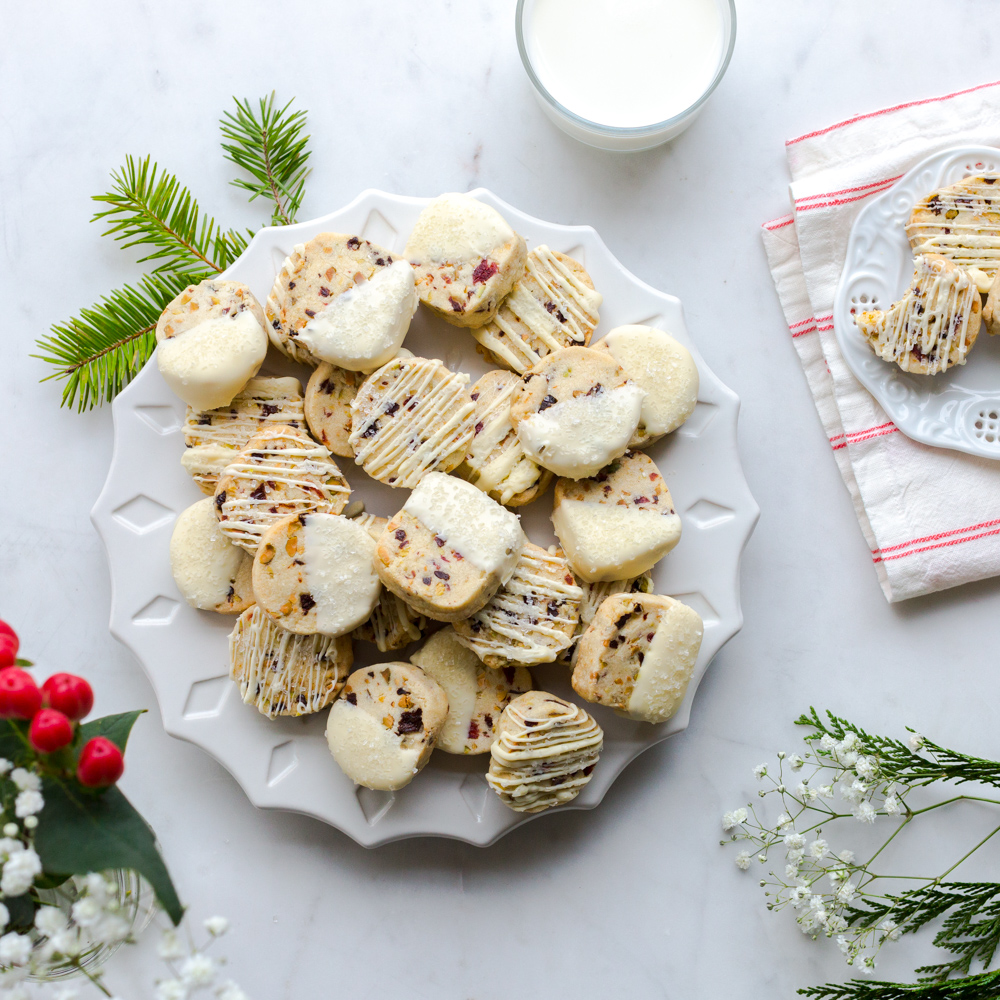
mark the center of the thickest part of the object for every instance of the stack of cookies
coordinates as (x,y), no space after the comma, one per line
(280,544)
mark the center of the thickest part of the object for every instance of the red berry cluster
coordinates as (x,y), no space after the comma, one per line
(53,710)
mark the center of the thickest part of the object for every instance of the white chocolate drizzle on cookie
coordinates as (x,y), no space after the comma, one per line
(471,523)
(426,416)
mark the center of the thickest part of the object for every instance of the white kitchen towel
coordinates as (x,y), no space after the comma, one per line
(930,516)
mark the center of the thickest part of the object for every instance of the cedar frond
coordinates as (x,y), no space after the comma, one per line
(984,986)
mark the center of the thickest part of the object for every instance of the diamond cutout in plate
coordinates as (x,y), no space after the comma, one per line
(374,804)
(475,792)
(706,514)
(206,698)
(579,252)
(282,762)
(379,230)
(140,514)
(278,256)
(700,604)
(163,419)
(159,611)
(703,415)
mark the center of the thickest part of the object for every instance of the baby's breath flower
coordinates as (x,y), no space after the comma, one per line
(198,971)
(50,920)
(791,871)
(19,872)
(25,779)
(171,989)
(798,896)
(11,829)
(864,812)
(743,860)
(836,923)
(784,820)
(865,767)
(892,806)
(28,803)
(795,855)
(216,926)
(806,793)
(230,991)
(846,892)
(827,742)
(847,857)
(5,766)
(916,741)
(762,858)
(794,841)
(15,949)
(825,791)
(818,848)
(843,944)
(30,822)
(890,931)
(760,771)
(86,912)
(170,946)
(795,762)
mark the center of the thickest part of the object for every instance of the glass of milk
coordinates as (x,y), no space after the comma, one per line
(625,74)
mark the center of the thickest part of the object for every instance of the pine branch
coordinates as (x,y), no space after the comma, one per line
(269,145)
(152,208)
(985,986)
(102,350)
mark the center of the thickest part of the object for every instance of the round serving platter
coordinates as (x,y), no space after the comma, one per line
(285,763)
(960,408)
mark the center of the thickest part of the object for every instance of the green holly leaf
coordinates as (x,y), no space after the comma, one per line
(13,739)
(80,831)
(22,911)
(114,727)
(23,663)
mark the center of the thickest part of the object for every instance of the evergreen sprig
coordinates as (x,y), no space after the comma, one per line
(269,145)
(984,986)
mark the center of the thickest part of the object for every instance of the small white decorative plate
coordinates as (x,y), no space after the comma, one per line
(959,408)
(285,764)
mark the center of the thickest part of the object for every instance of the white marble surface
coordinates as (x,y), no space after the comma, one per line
(634,898)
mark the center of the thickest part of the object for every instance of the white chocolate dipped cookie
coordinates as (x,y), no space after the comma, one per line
(961,222)
(280,471)
(553,305)
(664,369)
(315,573)
(637,655)
(618,523)
(210,342)
(594,595)
(466,258)
(545,752)
(213,437)
(210,573)
(933,326)
(393,624)
(329,394)
(449,549)
(476,694)
(411,416)
(310,280)
(531,619)
(282,673)
(496,461)
(575,411)
(381,731)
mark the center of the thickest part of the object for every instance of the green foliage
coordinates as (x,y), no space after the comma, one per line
(114,727)
(985,986)
(269,145)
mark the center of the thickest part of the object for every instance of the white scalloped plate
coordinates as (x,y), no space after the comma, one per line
(285,764)
(959,409)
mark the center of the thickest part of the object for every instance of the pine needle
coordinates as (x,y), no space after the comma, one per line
(102,350)
(269,145)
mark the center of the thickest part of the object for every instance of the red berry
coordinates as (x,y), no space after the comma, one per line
(69,694)
(8,651)
(6,630)
(50,731)
(20,697)
(101,763)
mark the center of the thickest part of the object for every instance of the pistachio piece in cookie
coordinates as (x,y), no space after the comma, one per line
(449,549)
(210,342)
(545,752)
(382,729)
(664,369)
(282,673)
(618,523)
(476,694)
(553,305)
(315,573)
(531,619)
(210,572)
(409,417)
(280,471)
(638,654)
(466,258)
(575,411)
(312,277)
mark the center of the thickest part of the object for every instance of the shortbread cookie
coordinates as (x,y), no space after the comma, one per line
(310,279)
(382,730)
(575,411)
(496,461)
(476,694)
(281,673)
(531,619)
(315,573)
(665,371)
(409,417)
(210,342)
(213,437)
(450,548)
(466,259)
(933,326)
(962,222)
(281,471)
(210,573)
(594,595)
(618,523)
(637,655)
(329,394)
(544,754)
(393,624)
(552,306)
